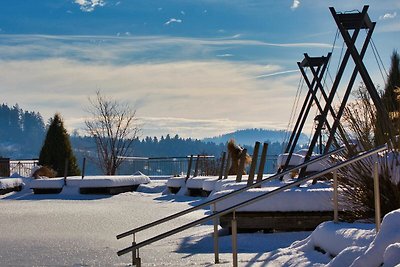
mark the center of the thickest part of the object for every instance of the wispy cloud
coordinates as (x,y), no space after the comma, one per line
(123,49)
(225,55)
(173,20)
(277,73)
(388,16)
(90,5)
(163,90)
(295,4)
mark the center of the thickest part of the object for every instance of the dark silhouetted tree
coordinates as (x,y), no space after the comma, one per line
(57,148)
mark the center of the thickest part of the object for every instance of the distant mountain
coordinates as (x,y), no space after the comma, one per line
(249,136)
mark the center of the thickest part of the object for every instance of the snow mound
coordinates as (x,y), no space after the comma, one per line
(388,235)
(108,181)
(345,244)
(197,182)
(6,183)
(44,182)
(178,181)
(295,199)
(209,184)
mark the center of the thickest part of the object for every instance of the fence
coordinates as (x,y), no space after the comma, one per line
(208,165)
(23,167)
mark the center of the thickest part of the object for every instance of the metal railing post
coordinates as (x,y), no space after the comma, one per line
(215,236)
(234,240)
(377,198)
(136,261)
(335,198)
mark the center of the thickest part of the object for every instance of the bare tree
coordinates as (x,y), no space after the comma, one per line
(114,126)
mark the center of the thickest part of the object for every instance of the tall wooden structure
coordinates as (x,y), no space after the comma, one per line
(349,26)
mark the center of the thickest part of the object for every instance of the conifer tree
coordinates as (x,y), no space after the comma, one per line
(57,148)
(391,93)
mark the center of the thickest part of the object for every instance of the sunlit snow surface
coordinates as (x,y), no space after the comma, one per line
(69,229)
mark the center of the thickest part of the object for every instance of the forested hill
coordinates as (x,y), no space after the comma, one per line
(21,132)
(249,136)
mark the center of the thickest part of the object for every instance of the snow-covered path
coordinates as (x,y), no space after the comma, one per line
(77,230)
(71,229)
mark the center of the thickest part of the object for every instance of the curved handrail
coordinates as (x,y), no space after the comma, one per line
(251,201)
(233,193)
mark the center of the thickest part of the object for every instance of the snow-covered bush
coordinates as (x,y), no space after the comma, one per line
(357,183)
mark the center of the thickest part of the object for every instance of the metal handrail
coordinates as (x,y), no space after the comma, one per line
(223,197)
(251,201)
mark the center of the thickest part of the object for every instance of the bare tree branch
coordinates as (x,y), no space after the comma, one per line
(114,126)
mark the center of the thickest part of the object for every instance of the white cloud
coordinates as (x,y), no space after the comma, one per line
(90,5)
(388,16)
(174,92)
(173,20)
(295,4)
(225,55)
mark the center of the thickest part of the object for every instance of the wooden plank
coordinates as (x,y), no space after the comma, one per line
(253,165)
(280,221)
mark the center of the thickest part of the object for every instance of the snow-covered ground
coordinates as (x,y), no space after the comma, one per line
(69,229)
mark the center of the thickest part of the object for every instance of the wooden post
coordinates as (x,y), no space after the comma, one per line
(196,168)
(262,163)
(241,166)
(234,240)
(221,170)
(65,171)
(228,163)
(377,198)
(83,167)
(335,198)
(253,165)
(216,246)
(189,167)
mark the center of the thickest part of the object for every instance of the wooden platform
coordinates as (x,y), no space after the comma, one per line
(108,190)
(12,189)
(197,192)
(174,190)
(277,221)
(47,190)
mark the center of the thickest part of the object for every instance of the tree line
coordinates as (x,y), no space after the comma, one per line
(21,132)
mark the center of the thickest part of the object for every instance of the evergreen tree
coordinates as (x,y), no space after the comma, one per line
(391,93)
(57,148)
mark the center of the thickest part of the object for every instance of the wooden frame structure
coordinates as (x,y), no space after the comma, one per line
(349,26)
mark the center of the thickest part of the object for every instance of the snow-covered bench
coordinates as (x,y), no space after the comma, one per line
(46,185)
(194,185)
(8,185)
(109,185)
(300,208)
(175,183)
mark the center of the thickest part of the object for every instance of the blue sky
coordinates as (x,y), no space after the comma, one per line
(193,68)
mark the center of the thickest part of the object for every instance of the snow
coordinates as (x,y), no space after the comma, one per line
(6,183)
(90,181)
(108,181)
(296,159)
(197,182)
(69,229)
(44,182)
(209,184)
(176,181)
(295,199)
